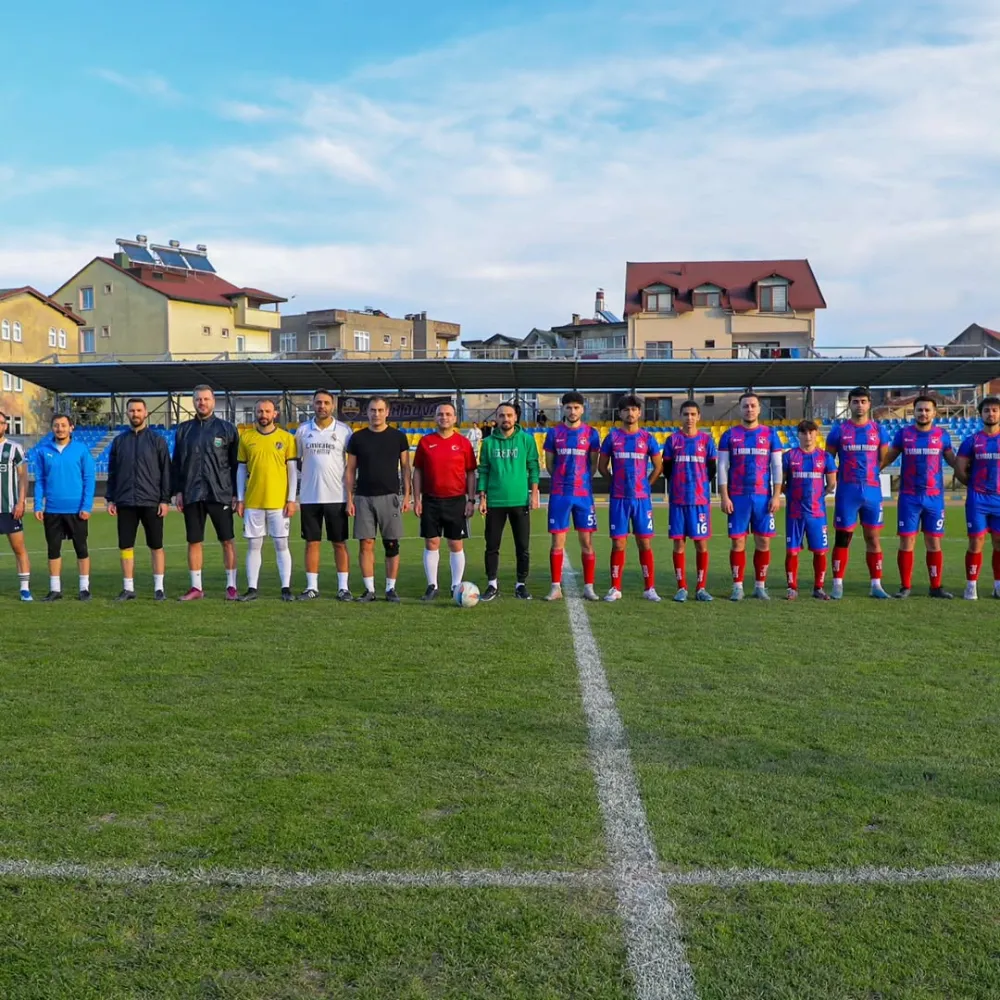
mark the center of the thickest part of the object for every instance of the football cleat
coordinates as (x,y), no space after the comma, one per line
(489,593)
(344,595)
(703,595)
(84,595)
(521,592)
(878,593)
(941,594)
(760,592)
(286,594)
(366,598)
(194,594)
(52,595)
(430,593)
(650,594)
(791,594)
(681,596)
(232,594)
(737,594)
(820,594)
(250,595)
(902,594)
(589,594)
(26,595)
(971,592)
(391,596)
(838,590)
(555,593)
(308,595)
(125,595)
(614,594)
(159,595)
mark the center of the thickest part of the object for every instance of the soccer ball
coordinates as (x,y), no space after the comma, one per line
(467,595)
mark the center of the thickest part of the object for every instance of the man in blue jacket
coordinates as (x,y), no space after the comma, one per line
(64,498)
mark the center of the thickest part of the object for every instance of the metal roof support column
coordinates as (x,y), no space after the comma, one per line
(286,408)
(114,410)
(459,405)
(807,402)
(230,408)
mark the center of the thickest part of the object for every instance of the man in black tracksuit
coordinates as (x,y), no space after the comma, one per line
(138,492)
(203,481)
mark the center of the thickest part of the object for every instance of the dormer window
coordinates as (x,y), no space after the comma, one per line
(706,297)
(772,295)
(658,299)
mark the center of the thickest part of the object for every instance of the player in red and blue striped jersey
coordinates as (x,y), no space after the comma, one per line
(925,448)
(978,466)
(634,458)
(860,446)
(571,450)
(689,463)
(810,475)
(750,492)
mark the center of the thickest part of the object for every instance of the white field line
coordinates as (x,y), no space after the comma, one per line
(985,871)
(653,938)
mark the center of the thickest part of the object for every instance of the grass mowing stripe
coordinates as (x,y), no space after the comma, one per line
(652,933)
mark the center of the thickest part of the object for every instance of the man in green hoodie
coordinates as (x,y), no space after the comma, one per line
(508,491)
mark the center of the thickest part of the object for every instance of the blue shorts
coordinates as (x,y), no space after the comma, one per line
(751,513)
(982,513)
(637,512)
(580,509)
(850,501)
(812,529)
(690,520)
(918,513)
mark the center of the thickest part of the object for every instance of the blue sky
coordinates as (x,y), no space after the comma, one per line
(495,164)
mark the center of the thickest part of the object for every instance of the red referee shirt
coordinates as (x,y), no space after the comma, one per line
(443,463)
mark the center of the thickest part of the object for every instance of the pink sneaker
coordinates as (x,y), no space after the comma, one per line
(194,594)
(232,594)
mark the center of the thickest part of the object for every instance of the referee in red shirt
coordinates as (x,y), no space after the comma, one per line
(444,488)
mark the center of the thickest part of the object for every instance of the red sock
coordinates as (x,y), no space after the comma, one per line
(905,562)
(589,561)
(839,563)
(973,564)
(761,560)
(935,567)
(819,569)
(874,560)
(738,565)
(792,570)
(617,568)
(996,566)
(701,560)
(648,573)
(555,565)
(680,570)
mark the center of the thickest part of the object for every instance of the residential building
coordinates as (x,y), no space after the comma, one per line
(32,326)
(364,334)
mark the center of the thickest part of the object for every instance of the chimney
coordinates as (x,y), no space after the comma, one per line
(599,303)
(576,319)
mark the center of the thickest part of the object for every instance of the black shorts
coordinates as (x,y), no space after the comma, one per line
(129,519)
(10,525)
(444,516)
(314,516)
(221,515)
(65,527)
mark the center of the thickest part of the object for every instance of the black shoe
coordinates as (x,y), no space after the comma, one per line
(521,592)
(286,594)
(308,595)
(391,596)
(126,595)
(941,594)
(84,595)
(52,595)
(158,595)
(902,594)
(430,593)
(366,598)
(344,595)
(250,595)
(489,593)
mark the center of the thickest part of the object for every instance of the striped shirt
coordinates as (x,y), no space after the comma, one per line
(11,457)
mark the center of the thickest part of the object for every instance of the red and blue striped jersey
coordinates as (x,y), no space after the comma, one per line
(689,482)
(630,455)
(922,460)
(572,450)
(857,449)
(805,478)
(750,454)
(983,452)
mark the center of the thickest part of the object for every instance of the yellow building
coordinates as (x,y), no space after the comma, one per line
(32,326)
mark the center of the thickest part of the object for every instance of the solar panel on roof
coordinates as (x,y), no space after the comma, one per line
(137,253)
(198,262)
(170,257)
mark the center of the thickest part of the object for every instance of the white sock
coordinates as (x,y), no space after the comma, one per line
(431,560)
(157,581)
(390,583)
(312,581)
(493,584)
(24,579)
(254,547)
(55,584)
(230,578)
(457,562)
(128,583)
(85,582)
(284,559)
(342,581)
(369,582)
(196,579)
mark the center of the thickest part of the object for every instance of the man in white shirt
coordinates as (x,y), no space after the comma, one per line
(321,446)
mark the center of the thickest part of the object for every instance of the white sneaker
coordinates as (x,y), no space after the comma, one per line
(589,594)
(614,594)
(650,595)
(971,591)
(760,592)
(737,594)
(555,594)
(838,590)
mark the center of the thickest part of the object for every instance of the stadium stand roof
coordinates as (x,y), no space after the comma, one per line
(528,375)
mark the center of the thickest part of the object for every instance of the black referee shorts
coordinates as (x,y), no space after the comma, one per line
(444,516)
(129,519)
(333,516)
(65,527)
(221,515)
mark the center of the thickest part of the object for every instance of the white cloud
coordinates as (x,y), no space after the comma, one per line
(246,112)
(143,84)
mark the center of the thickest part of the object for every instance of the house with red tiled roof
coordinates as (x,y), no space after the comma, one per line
(978,340)
(147,301)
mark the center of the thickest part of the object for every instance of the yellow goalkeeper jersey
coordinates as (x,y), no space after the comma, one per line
(266,457)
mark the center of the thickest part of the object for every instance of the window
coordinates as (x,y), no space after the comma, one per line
(288,342)
(387,340)
(225,331)
(761,349)
(105,332)
(241,344)
(108,288)
(362,340)
(62,339)
(658,408)
(87,345)
(710,400)
(317,340)
(18,384)
(7,382)
(709,300)
(659,349)
(86,299)
(52,336)
(17,425)
(402,341)
(206,331)
(17,332)
(661,302)
(5,330)
(710,343)
(774,298)
(773,408)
